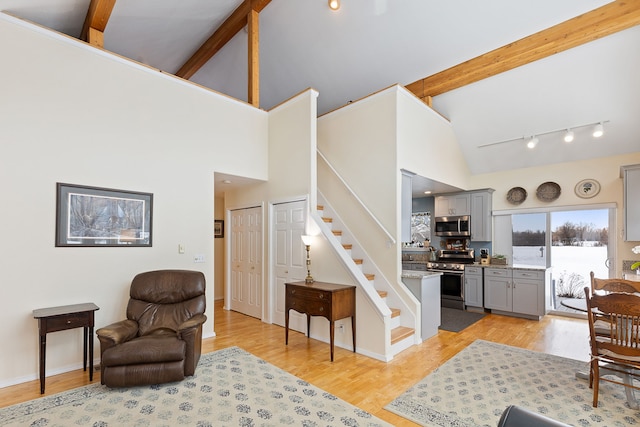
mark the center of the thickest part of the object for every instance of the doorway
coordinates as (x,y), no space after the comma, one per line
(572,242)
(246,261)
(288,259)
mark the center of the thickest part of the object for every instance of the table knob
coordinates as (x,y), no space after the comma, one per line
(68,321)
(321,308)
(321,296)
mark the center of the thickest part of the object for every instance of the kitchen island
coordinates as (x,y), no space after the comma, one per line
(425,286)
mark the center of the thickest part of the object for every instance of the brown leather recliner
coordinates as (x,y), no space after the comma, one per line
(161,339)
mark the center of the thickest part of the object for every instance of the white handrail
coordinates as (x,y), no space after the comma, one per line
(382,227)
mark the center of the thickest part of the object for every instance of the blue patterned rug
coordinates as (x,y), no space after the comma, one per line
(475,386)
(231,387)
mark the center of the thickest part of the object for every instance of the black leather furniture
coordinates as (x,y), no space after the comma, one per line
(161,339)
(516,416)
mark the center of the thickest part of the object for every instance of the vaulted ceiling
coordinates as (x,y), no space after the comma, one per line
(501,70)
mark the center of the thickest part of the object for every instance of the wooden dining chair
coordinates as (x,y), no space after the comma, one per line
(613,285)
(616,347)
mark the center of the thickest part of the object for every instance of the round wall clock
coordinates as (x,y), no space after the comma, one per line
(587,188)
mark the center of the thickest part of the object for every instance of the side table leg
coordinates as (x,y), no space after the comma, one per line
(286,327)
(331,335)
(90,336)
(84,346)
(43,353)
(353,331)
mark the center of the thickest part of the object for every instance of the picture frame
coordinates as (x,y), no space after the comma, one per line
(218,228)
(97,217)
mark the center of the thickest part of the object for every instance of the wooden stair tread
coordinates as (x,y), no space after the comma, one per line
(358,261)
(326,219)
(395,312)
(320,207)
(369,276)
(337,232)
(383,294)
(400,333)
(347,246)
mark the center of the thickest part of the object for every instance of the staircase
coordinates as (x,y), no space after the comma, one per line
(402,336)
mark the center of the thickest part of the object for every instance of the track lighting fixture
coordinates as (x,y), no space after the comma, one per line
(568,136)
(598,130)
(334,4)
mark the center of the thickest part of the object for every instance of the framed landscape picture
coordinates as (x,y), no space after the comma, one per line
(95,216)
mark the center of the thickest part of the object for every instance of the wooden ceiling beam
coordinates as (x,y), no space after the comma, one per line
(606,20)
(253,58)
(97,17)
(229,28)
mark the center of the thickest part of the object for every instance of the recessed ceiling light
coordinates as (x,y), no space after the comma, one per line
(334,4)
(427,192)
(532,142)
(226,181)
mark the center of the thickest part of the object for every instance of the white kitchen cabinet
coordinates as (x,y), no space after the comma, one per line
(473,289)
(456,204)
(481,203)
(520,292)
(631,201)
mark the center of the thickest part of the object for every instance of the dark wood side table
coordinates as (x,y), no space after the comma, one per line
(331,301)
(55,319)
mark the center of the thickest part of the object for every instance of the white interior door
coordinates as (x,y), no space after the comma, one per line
(246,261)
(289,257)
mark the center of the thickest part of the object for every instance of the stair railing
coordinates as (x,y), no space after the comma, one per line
(355,196)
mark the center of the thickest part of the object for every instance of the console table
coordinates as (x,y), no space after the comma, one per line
(55,319)
(331,301)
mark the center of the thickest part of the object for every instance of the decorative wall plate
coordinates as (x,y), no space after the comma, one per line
(516,195)
(548,191)
(587,188)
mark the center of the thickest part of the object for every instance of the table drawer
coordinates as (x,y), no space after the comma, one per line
(313,308)
(67,321)
(310,294)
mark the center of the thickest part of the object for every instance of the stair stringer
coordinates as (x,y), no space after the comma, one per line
(409,316)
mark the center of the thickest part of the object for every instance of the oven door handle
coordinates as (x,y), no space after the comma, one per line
(457,272)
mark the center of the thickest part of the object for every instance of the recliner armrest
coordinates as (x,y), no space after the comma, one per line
(192,323)
(515,416)
(118,332)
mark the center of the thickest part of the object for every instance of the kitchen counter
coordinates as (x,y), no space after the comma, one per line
(417,274)
(517,266)
(631,275)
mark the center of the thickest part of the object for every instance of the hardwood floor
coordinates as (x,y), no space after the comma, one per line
(360,380)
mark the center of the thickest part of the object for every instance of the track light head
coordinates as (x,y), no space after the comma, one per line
(568,136)
(532,142)
(598,130)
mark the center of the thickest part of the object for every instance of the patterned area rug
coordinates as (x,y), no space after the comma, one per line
(476,385)
(230,388)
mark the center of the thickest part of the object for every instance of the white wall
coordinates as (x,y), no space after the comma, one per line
(71,113)
(427,145)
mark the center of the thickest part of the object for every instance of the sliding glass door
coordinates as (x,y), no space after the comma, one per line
(571,242)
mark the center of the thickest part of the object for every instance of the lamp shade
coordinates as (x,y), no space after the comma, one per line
(306,239)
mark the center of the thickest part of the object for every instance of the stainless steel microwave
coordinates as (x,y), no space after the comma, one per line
(453,226)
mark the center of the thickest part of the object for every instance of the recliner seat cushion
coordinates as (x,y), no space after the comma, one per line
(153,348)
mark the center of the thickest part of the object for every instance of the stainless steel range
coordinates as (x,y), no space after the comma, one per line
(451,264)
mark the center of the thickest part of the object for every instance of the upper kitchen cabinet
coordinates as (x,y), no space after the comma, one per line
(481,203)
(631,182)
(456,204)
(477,204)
